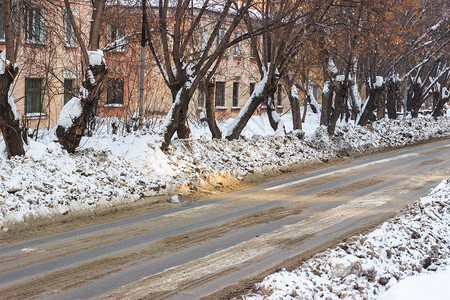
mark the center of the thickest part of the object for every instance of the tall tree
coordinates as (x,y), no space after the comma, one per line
(182,65)
(285,25)
(9,119)
(76,113)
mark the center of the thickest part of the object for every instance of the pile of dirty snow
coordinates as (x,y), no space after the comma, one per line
(110,169)
(416,241)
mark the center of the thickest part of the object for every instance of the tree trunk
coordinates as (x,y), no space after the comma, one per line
(295,108)
(355,101)
(341,95)
(172,119)
(209,106)
(312,103)
(370,106)
(439,108)
(416,99)
(9,125)
(270,110)
(305,107)
(381,108)
(236,129)
(183,130)
(392,89)
(70,137)
(327,101)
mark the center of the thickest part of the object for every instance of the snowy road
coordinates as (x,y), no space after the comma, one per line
(213,248)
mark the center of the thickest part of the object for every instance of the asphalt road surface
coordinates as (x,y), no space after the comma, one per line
(218,247)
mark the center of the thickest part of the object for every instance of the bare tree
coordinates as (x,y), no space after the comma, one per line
(70,136)
(9,119)
(183,65)
(285,25)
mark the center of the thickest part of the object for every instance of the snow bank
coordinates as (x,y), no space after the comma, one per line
(415,241)
(412,288)
(48,180)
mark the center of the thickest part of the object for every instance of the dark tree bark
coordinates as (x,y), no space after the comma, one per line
(270,110)
(295,109)
(438,110)
(250,109)
(9,125)
(381,108)
(312,105)
(341,95)
(70,137)
(327,101)
(209,107)
(368,113)
(392,90)
(416,99)
(183,130)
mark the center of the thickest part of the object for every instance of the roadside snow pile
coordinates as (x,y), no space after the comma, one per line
(109,169)
(47,180)
(387,133)
(416,241)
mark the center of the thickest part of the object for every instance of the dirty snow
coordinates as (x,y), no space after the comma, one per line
(110,169)
(405,258)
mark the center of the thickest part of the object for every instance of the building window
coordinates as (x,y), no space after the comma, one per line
(220,94)
(2,29)
(33,95)
(116,37)
(68,89)
(235,94)
(220,36)
(202,39)
(114,93)
(237,47)
(35,25)
(69,33)
(201,99)
(279,96)
(252,87)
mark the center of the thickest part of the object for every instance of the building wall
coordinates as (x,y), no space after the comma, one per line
(54,60)
(51,61)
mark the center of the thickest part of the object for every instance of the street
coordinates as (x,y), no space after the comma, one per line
(218,247)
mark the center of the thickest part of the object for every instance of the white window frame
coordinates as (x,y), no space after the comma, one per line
(38,15)
(202,42)
(69,33)
(237,47)
(119,33)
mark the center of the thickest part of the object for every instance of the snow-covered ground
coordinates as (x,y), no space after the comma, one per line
(109,168)
(405,258)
